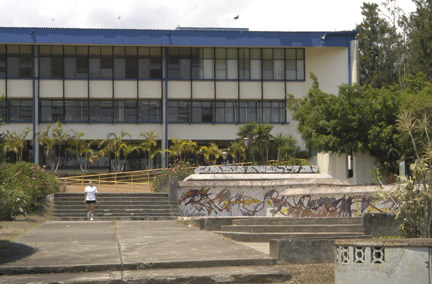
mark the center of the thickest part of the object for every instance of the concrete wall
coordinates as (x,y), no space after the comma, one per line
(268,201)
(337,167)
(383,261)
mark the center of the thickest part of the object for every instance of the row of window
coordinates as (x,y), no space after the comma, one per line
(107,62)
(144,111)
(183,111)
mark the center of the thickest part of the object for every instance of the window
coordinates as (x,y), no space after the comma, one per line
(51,61)
(274,111)
(226,111)
(19,110)
(76,62)
(149,111)
(76,110)
(149,63)
(19,61)
(51,110)
(294,64)
(179,63)
(2,61)
(3,110)
(179,111)
(101,62)
(125,63)
(125,111)
(101,111)
(202,111)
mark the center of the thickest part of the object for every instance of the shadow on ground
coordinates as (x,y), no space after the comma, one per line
(10,251)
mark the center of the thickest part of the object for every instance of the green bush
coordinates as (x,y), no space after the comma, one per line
(178,169)
(23,187)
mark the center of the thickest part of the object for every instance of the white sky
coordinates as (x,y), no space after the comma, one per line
(257,15)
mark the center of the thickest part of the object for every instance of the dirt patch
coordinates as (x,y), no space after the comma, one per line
(10,230)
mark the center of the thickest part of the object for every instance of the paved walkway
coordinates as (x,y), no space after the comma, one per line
(98,246)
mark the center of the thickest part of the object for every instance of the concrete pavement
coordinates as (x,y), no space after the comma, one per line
(132,252)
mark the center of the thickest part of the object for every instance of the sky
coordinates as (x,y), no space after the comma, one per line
(257,15)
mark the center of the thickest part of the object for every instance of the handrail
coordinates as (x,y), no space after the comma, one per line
(138,180)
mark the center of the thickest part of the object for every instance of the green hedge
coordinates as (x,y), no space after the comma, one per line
(23,187)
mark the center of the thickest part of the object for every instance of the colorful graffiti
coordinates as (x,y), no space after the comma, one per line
(256,202)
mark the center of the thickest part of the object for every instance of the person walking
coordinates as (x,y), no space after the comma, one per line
(90,199)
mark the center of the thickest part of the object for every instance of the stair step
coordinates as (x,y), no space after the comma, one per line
(293,228)
(118,218)
(297,221)
(266,237)
(118,206)
(217,274)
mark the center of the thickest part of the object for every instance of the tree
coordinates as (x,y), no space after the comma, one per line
(149,147)
(238,151)
(358,119)
(379,48)
(210,153)
(82,149)
(180,149)
(285,145)
(419,39)
(52,139)
(15,142)
(262,138)
(117,149)
(247,131)
(414,193)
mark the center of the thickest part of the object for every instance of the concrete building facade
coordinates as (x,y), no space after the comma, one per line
(190,83)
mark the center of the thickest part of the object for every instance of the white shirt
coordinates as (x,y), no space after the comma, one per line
(91,191)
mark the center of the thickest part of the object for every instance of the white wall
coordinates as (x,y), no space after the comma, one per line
(19,88)
(330,65)
(76,89)
(337,167)
(101,131)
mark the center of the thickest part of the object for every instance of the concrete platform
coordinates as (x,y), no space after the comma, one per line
(124,250)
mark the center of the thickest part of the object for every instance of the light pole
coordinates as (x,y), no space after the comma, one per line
(225,156)
(246,142)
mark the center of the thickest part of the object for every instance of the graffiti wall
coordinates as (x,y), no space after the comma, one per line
(264,202)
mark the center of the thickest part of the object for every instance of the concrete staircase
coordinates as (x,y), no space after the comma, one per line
(264,229)
(116,206)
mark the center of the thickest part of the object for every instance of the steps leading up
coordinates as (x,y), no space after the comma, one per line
(116,206)
(264,229)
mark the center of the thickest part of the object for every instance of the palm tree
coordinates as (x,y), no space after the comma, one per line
(262,138)
(180,149)
(15,142)
(148,147)
(116,146)
(210,153)
(82,148)
(285,145)
(175,150)
(247,131)
(237,150)
(189,148)
(52,139)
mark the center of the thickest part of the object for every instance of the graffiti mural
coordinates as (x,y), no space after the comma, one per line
(259,202)
(255,169)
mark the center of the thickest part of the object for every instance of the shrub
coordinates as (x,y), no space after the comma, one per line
(179,169)
(23,187)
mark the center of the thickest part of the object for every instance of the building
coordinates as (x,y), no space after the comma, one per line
(190,83)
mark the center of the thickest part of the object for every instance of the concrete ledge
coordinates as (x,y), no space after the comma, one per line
(381,225)
(291,251)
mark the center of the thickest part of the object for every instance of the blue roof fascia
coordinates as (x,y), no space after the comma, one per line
(173,37)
